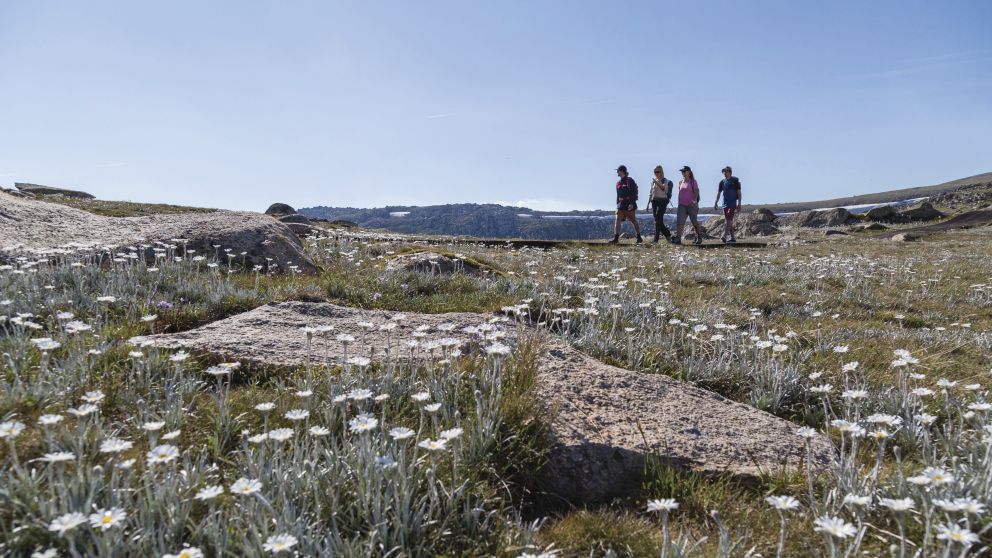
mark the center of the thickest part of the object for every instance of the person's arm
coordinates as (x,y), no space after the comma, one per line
(719,189)
(740,195)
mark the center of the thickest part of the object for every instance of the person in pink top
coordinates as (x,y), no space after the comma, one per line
(688,206)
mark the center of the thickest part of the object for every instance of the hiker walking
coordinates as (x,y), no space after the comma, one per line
(688,206)
(626,204)
(661,193)
(730,188)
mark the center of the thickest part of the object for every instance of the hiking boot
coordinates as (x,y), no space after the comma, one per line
(656,239)
(732,240)
(616,240)
(676,240)
(698,241)
(640,240)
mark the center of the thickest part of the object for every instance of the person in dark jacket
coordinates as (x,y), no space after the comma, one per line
(626,204)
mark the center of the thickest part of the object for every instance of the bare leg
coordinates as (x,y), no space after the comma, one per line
(637,227)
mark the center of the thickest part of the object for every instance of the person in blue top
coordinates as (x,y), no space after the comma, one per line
(626,204)
(730,188)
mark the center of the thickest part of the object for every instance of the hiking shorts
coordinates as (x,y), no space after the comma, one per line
(625,215)
(729,212)
(691,211)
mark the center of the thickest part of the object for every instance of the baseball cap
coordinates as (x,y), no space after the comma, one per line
(727,169)
(622,168)
(685,168)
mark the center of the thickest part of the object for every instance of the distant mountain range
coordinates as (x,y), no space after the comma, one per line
(470,219)
(500,221)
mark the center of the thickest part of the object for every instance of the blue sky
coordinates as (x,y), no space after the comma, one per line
(240,104)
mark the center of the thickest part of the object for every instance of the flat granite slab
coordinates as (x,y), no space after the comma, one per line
(605,419)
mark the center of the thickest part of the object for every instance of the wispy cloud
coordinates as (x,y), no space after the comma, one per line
(109,165)
(913,66)
(441,115)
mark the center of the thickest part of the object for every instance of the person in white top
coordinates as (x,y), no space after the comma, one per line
(661,192)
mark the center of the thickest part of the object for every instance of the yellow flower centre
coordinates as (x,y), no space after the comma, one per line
(107,519)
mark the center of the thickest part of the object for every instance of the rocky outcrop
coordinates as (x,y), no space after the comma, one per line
(295,218)
(835,217)
(869,227)
(16,193)
(881,213)
(608,419)
(968,198)
(921,212)
(604,420)
(301,225)
(278,209)
(39,190)
(904,237)
(760,222)
(432,263)
(34,225)
(763,215)
(302,230)
(966,220)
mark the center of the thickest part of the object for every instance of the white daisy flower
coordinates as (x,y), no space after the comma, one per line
(246,487)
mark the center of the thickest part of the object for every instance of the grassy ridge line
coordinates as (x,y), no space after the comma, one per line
(878,197)
(109,208)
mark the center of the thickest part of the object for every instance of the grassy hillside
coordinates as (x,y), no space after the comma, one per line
(880,197)
(110,208)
